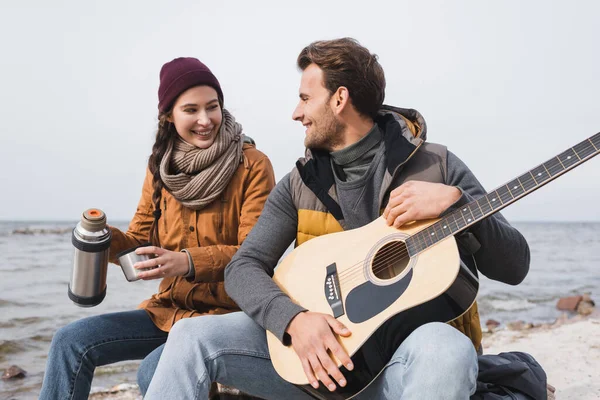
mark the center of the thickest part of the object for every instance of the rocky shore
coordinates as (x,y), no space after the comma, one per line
(568,350)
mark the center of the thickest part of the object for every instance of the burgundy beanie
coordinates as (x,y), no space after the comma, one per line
(179,75)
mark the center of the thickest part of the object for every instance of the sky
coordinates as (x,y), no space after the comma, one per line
(505,85)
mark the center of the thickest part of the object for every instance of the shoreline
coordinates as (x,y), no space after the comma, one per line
(568,350)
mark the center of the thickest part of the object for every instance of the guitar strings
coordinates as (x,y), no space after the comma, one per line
(391,255)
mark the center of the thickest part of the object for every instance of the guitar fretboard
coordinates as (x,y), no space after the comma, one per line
(501,197)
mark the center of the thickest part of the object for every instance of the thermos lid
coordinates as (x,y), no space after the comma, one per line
(93,220)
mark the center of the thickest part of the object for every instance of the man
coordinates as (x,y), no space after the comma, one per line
(363,158)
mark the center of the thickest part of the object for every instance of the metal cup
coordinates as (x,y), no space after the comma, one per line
(128,258)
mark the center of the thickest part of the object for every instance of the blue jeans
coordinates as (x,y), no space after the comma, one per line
(78,348)
(435,362)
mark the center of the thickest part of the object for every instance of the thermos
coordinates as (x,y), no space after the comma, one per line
(91,239)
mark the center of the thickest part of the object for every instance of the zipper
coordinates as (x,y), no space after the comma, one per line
(398,168)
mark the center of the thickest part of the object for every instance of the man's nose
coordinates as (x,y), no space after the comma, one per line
(297,114)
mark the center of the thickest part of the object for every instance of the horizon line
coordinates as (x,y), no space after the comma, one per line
(127,221)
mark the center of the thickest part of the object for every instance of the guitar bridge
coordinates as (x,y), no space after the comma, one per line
(332,291)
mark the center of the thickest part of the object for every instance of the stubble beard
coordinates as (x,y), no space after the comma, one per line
(328,135)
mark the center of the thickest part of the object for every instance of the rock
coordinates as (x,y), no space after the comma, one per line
(123,387)
(492,323)
(550,390)
(569,303)
(516,325)
(519,325)
(14,372)
(585,308)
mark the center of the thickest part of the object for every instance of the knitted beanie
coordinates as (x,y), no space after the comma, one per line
(179,75)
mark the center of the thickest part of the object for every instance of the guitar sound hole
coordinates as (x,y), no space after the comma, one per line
(391,260)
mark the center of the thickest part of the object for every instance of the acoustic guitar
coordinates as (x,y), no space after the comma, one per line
(413,273)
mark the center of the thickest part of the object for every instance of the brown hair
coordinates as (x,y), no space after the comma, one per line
(164,136)
(346,63)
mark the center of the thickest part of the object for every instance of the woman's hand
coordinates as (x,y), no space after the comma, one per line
(169,263)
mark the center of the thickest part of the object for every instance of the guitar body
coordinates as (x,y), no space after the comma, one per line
(363,277)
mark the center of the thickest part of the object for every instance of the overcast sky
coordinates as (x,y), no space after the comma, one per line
(505,85)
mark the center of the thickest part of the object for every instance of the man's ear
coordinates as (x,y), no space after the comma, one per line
(341,99)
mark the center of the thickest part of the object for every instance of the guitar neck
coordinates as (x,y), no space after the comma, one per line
(504,195)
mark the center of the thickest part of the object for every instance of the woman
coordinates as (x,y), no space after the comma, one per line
(203,192)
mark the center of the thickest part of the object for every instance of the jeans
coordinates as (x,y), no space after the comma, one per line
(435,362)
(78,348)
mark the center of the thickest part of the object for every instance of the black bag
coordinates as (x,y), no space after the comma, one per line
(511,375)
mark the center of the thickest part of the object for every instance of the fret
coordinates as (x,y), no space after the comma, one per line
(553,166)
(533,177)
(410,246)
(483,213)
(488,201)
(431,237)
(562,165)
(540,174)
(455,218)
(596,140)
(426,239)
(445,224)
(443,233)
(419,241)
(495,202)
(469,213)
(497,197)
(504,194)
(583,149)
(475,210)
(463,211)
(436,233)
(595,147)
(568,158)
(453,215)
(515,188)
(484,205)
(413,242)
(526,182)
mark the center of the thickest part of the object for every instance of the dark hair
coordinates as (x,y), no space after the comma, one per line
(164,135)
(346,63)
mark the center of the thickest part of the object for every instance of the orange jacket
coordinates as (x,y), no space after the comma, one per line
(211,235)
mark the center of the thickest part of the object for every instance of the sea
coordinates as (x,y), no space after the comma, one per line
(37,259)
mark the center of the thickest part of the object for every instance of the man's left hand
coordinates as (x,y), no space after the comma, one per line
(417,200)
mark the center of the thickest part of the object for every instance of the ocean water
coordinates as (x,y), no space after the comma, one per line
(36,269)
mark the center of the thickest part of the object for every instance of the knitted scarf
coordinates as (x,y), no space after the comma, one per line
(196,177)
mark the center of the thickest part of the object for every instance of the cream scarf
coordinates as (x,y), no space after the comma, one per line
(196,176)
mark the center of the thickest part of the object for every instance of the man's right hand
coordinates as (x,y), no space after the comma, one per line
(313,335)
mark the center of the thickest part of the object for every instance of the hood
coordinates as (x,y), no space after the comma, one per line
(412,122)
